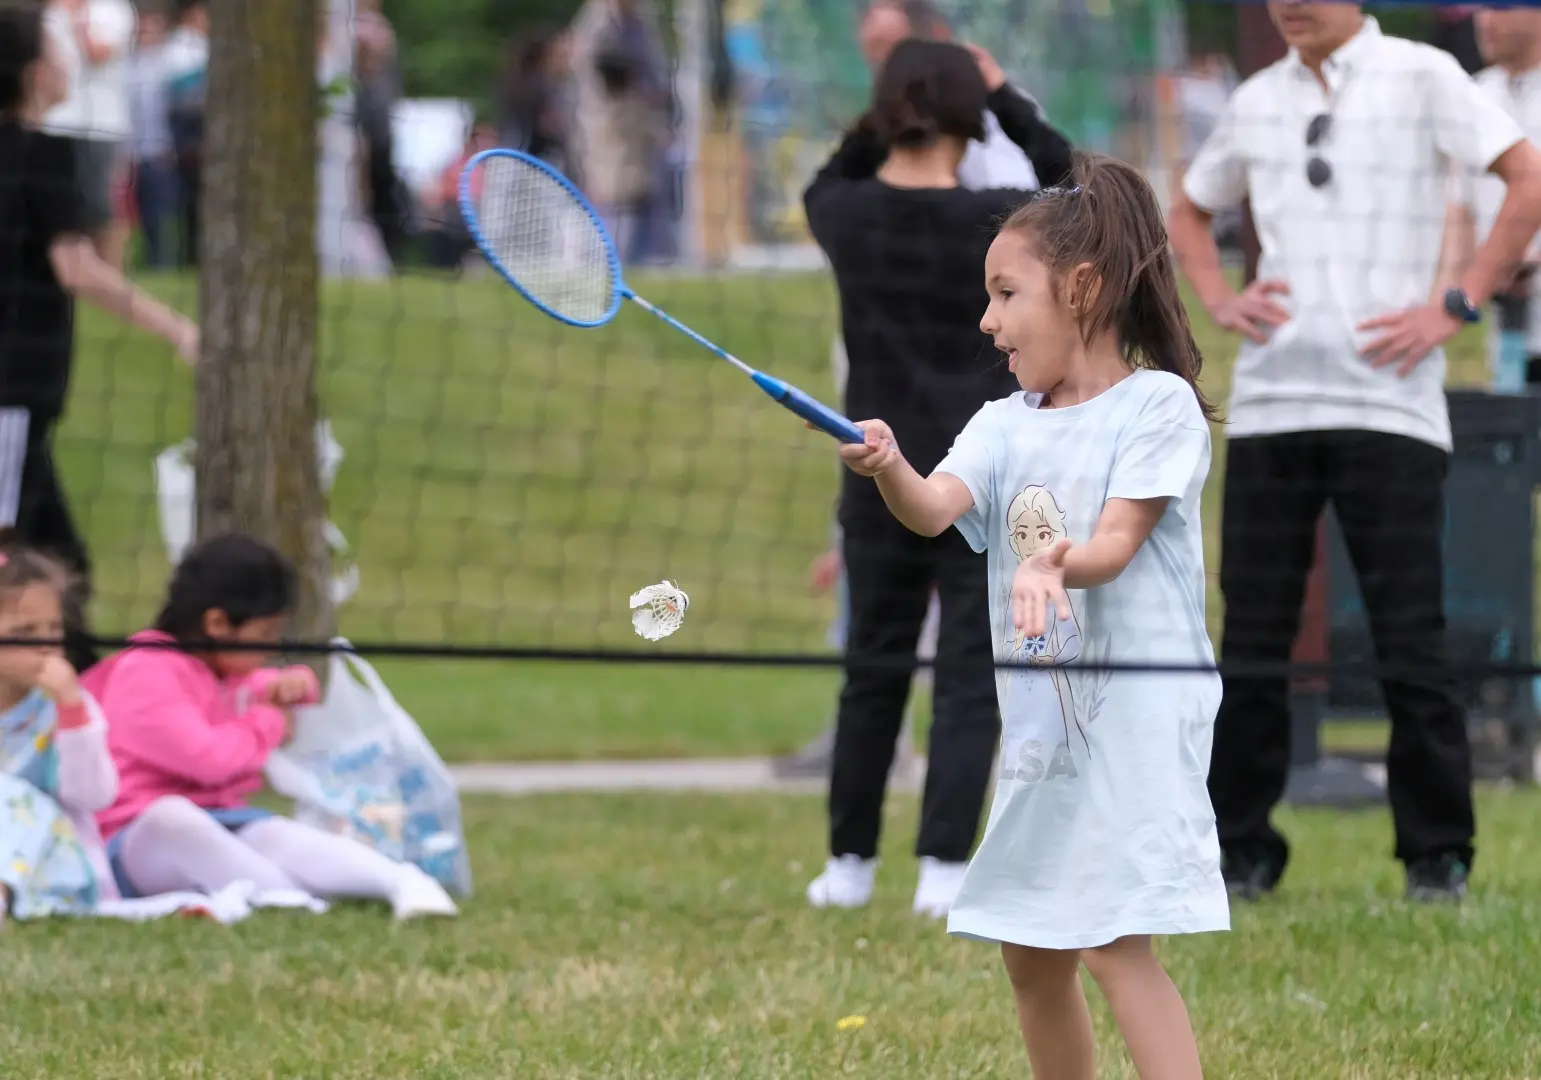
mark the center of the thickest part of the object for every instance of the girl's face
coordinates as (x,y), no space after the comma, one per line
(33,611)
(1027,317)
(265,630)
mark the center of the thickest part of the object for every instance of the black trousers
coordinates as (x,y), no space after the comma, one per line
(1388,494)
(890,573)
(43,521)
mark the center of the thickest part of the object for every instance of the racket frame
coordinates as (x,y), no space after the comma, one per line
(783,393)
(468,212)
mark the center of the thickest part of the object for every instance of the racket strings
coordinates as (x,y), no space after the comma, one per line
(545,240)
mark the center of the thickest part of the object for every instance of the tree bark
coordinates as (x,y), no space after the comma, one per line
(258,282)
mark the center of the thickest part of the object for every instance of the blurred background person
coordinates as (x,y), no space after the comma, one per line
(185,61)
(535,106)
(152,163)
(445,236)
(994,161)
(622,120)
(377,79)
(94,39)
(1510,41)
(1455,32)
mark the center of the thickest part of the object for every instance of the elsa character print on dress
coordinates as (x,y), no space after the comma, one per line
(1041,695)
(55,771)
(1083,491)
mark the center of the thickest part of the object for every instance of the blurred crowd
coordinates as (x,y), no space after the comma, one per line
(593,97)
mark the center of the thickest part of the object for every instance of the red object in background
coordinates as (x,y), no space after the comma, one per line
(1258,46)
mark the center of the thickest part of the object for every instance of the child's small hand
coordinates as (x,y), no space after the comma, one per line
(290,689)
(1039,583)
(878,453)
(57,678)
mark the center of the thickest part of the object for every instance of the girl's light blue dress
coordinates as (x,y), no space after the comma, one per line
(1101,826)
(43,864)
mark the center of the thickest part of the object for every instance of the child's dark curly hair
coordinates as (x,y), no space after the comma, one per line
(236,574)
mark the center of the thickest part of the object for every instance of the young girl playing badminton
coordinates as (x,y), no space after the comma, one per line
(55,771)
(1101,833)
(193,724)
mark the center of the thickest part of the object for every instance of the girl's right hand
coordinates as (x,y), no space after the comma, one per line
(295,687)
(1039,585)
(57,678)
(877,454)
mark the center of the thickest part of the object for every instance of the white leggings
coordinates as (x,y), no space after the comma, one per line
(175,846)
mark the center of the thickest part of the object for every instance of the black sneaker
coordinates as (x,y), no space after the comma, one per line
(1440,879)
(1249,879)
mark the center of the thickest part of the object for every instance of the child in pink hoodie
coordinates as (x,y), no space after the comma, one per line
(55,771)
(195,716)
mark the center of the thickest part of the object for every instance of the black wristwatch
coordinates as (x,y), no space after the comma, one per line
(1459,306)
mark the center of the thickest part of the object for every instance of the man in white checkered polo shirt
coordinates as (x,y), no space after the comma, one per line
(1344,149)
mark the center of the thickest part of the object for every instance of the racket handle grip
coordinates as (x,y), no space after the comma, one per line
(815,412)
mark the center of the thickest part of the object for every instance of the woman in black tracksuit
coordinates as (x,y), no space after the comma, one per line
(907,245)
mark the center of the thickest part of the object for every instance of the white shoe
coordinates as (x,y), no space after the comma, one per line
(419,895)
(846,882)
(938,887)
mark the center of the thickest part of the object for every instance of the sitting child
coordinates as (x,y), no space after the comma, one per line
(55,771)
(195,717)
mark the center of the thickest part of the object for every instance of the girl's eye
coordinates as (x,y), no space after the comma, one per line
(1005,294)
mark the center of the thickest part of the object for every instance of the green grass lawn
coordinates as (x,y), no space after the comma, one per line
(512,481)
(664,937)
(509,482)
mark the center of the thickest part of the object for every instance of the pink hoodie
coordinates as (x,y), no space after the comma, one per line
(176,728)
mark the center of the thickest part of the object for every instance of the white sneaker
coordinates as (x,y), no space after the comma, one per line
(419,895)
(938,887)
(846,882)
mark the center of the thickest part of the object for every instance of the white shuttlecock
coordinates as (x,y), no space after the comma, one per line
(659,610)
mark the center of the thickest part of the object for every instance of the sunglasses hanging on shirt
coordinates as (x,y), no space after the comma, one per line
(1318,170)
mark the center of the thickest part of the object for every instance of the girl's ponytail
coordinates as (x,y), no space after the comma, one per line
(1110,220)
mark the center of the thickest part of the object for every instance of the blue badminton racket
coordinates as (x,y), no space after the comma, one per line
(539,232)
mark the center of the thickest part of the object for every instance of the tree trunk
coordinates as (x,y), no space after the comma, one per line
(256,395)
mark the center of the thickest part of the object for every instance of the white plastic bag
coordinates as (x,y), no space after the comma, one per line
(359,765)
(176,490)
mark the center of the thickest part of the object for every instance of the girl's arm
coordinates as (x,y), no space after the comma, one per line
(88,780)
(1024,124)
(154,720)
(1123,526)
(928,505)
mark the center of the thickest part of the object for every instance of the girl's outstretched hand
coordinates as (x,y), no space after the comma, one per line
(1039,584)
(878,453)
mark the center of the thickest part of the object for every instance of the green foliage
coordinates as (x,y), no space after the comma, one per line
(455,48)
(1212,24)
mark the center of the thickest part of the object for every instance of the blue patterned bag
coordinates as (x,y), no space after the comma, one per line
(360,766)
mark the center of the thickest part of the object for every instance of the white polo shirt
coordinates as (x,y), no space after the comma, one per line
(1483,193)
(96,106)
(1367,243)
